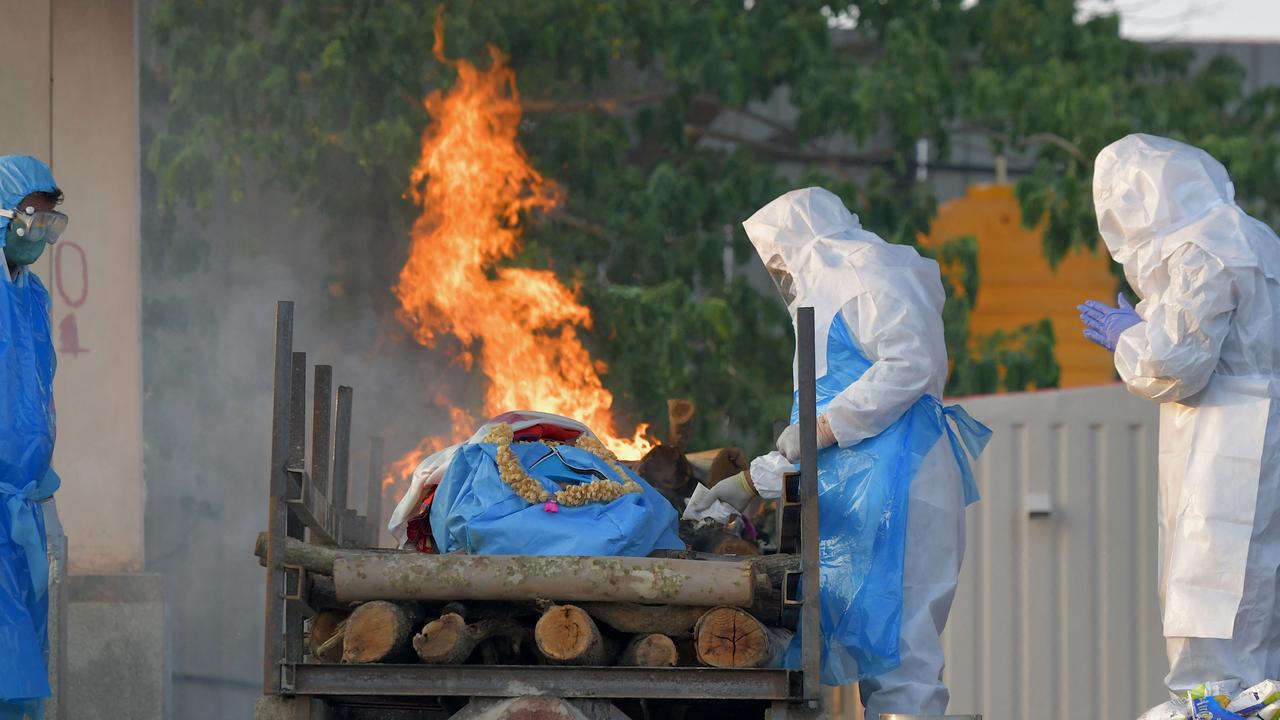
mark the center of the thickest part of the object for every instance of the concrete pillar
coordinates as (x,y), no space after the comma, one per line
(93,278)
(25,84)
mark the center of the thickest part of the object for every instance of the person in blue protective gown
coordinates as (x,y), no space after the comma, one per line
(28,223)
(893,473)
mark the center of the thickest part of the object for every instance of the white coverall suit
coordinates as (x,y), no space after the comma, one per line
(1208,350)
(890,299)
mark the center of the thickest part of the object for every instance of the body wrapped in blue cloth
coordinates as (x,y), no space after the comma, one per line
(477,510)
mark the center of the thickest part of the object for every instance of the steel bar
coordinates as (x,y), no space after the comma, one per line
(322,428)
(297,589)
(312,511)
(516,681)
(341,470)
(373,492)
(277,510)
(810,626)
(352,528)
(297,436)
(788,515)
(416,576)
(298,411)
(295,526)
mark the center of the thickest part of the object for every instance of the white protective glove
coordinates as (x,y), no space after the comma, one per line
(766,474)
(735,491)
(789,440)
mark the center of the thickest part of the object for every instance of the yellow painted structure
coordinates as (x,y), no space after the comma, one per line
(1017,286)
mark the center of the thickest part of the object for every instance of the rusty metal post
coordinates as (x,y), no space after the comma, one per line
(298,412)
(295,528)
(341,470)
(277,509)
(373,492)
(322,428)
(810,625)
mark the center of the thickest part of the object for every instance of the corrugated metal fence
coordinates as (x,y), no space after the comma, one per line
(1056,615)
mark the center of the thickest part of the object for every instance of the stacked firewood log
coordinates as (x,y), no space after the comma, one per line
(587,634)
(389,606)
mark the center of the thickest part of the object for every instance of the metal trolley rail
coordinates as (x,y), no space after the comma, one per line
(310,503)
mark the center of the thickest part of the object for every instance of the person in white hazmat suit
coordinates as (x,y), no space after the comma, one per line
(1204,342)
(893,474)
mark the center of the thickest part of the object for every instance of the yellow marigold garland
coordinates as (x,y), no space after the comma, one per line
(532,492)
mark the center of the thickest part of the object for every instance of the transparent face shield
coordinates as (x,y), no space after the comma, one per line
(781,278)
(36,225)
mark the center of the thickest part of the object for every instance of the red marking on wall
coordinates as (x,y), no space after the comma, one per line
(68,331)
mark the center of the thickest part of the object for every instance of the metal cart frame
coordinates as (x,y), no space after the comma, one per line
(311,503)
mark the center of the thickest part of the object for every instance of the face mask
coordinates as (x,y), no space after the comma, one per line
(22,252)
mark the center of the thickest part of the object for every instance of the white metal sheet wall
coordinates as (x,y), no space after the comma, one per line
(1056,616)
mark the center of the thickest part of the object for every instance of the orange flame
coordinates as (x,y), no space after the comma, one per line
(518,326)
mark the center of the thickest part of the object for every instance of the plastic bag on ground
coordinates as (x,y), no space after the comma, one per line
(1255,699)
(1172,710)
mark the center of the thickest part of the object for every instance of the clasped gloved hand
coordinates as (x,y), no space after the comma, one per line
(1103,324)
(789,440)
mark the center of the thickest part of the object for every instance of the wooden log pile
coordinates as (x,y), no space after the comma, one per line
(717,604)
(506,630)
(384,632)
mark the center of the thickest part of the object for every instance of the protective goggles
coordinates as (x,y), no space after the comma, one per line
(36,225)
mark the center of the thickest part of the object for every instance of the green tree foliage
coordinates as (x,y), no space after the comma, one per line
(324,97)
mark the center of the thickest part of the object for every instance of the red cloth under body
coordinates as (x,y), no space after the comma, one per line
(418,530)
(547,432)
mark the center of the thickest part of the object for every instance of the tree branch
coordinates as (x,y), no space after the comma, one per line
(779,152)
(778,126)
(1047,138)
(1040,138)
(565,218)
(608,106)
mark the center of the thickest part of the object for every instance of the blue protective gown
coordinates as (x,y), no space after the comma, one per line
(863,492)
(26,446)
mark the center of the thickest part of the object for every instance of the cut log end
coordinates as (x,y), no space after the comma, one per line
(450,640)
(712,466)
(680,414)
(730,638)
(442,641)
(666,468)
(653,650)
(325,635)
(566,635)
(379,631)
(736,546)
(712,538)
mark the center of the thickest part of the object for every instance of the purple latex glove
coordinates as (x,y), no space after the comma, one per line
(1103,323)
